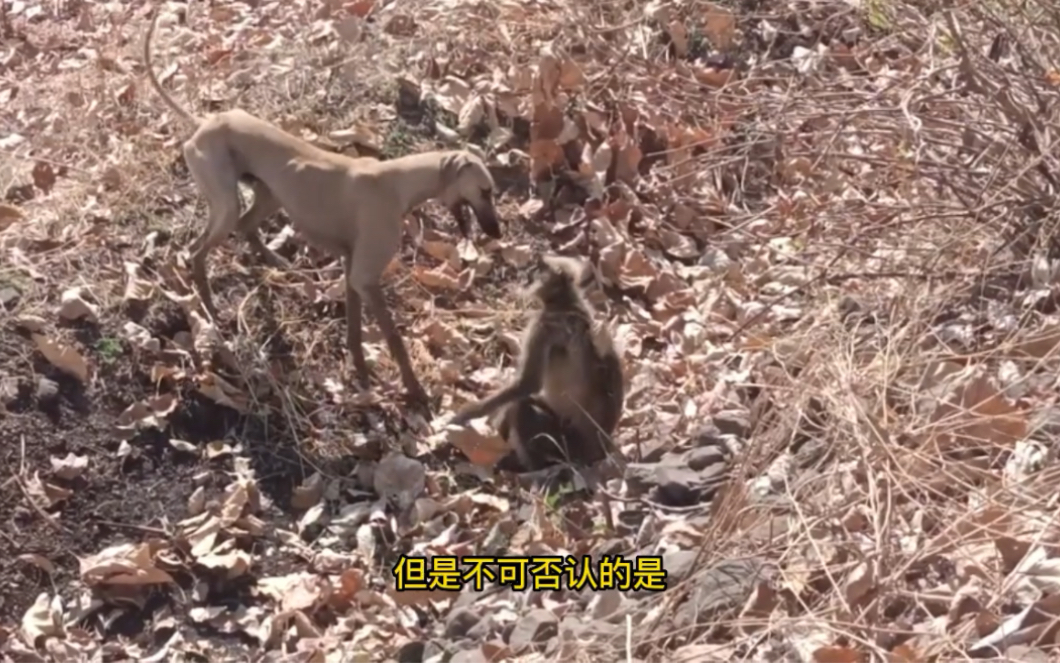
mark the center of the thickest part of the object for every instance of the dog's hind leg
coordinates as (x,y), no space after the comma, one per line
(215,176)
(264,206)
(353,325)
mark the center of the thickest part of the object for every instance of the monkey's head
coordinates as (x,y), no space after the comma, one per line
(560,280)
(467,181)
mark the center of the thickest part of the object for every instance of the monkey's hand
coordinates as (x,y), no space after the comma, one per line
(460,418)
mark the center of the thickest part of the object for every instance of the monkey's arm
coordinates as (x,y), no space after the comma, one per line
(528,382)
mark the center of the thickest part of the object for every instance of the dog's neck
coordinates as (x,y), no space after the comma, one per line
(429,182)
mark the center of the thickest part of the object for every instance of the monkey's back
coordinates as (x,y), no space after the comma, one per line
(583,380)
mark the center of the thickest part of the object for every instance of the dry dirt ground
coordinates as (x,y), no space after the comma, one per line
(825,235)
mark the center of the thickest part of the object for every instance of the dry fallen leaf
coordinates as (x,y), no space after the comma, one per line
(720,26)
(976,416)
(441,277)
(46,495)
(63,357)
(234,562)
(311,517)
(123,564)
(480,448)
(197,501)
(9,214)
(223,392)
(40,561)
(444,251)
(297,591)
(309,493)
(678,245)
(518,255)
(42,619)
(182,445)
(69,467)
(217,449)
(471,115)
(137,289)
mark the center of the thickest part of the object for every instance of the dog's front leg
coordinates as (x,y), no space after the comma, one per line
(374,294)
(353,327)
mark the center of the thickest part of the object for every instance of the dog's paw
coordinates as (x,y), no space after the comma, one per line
(419,400)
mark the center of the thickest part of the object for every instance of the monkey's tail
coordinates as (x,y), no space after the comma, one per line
(173,105)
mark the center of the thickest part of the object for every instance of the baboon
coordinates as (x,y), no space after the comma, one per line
(568,393)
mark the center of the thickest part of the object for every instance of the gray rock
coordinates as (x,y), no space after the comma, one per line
(9,297)
(589,635)
(412,652)
(678,567)
(613,546)
(483,630)
(669,459)
(434,652)
(535,628)
(474,655)
(719,592)
(654,450)
(459,622)
(700,458)
(708,435)
(8,390)
(733,422)
(674,486)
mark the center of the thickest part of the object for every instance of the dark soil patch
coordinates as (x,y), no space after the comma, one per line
(120,497)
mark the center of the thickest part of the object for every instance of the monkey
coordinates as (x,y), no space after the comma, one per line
(568,392)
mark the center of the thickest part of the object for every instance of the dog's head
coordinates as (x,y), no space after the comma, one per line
(466,180)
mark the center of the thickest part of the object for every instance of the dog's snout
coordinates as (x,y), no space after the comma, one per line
(487,220)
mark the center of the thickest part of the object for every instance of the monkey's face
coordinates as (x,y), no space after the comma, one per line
(469,183)
(556,279)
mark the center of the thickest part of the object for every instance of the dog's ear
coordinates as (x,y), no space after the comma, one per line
(453,164)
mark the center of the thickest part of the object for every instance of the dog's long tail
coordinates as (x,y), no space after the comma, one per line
(173,105)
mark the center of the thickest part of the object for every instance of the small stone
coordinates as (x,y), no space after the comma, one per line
(535,628)
(47,390)
(9,297)
(459,622)
(733,422)
(411,652)
(707,435)
(8,390)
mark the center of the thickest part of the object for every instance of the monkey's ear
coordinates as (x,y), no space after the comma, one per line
(587,275)
(578,270)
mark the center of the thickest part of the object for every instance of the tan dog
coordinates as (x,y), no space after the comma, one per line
(350,208)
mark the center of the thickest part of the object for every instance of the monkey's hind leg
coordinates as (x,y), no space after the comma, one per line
(534,432)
